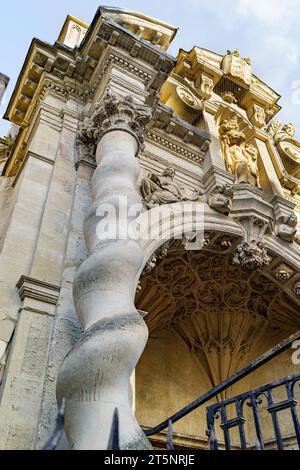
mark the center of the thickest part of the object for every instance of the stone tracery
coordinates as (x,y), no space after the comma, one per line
(220,311)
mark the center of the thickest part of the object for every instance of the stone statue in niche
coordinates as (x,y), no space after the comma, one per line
(240,157)
(162,189)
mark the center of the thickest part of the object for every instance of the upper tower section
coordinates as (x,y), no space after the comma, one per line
(212,77)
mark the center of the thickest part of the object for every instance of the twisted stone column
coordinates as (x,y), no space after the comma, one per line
(95,375)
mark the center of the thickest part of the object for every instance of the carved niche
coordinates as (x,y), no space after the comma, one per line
(240,157)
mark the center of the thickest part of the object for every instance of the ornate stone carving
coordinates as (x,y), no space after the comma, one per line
(123,113)
(289,150)
(279,133)
(286,227)
(220,198)
(112,113)
(219,310)
(274,127)
(283,272)
(229,97)
(236,66)
(257,115)
(251,256)
(240,158)
(204,85)
(297,289)
(189,98)
(162,189)
(161,253)
(85,142)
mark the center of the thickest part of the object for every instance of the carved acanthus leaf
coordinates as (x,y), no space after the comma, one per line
(112,113)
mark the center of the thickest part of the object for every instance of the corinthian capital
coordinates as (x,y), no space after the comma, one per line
(112,113)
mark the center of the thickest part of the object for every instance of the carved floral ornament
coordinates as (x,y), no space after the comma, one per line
(113,113)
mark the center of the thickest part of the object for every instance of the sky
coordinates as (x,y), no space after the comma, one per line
(265,30)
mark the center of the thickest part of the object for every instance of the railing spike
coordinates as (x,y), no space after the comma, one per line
(114,438)
(213,441)
(54,440)
(170,445)
(258,445)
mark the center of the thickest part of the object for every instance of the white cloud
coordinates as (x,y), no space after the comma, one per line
(274,13)
(285,47)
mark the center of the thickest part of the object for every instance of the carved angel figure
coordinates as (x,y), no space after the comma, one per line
(162,189)
(240,158)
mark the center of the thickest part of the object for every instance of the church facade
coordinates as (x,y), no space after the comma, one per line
(149,239)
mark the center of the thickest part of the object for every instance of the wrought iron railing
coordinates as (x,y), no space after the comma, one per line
(212,411)
(213,393)
(254,399)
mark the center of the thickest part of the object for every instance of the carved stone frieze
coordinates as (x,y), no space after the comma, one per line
(220,198)
(163,189)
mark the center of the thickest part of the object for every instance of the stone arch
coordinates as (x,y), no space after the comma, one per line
(189,295)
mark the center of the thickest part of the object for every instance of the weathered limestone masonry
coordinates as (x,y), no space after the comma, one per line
(106,117)
(61,87)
